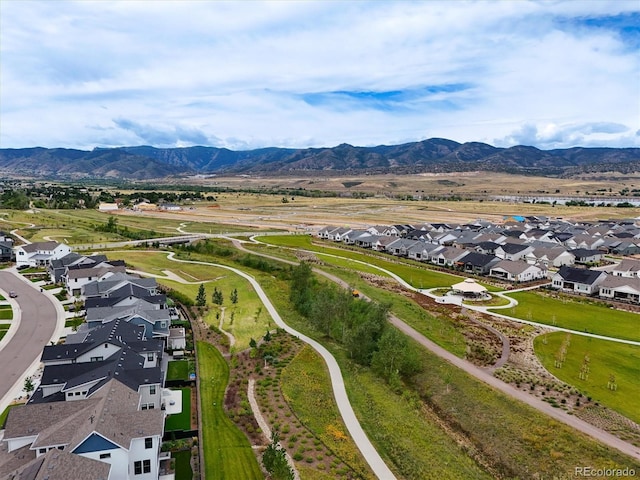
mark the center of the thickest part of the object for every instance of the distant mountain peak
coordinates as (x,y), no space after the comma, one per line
(145,162)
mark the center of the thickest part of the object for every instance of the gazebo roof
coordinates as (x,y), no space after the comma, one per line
(469,285)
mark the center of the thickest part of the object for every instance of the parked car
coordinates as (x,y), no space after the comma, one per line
(13,294)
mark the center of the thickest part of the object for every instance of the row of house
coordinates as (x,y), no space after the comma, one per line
(515,253)
(99,410)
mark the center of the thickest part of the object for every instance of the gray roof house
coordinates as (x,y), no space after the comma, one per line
(578,280)
(108,428)
(625,289)
(519,271)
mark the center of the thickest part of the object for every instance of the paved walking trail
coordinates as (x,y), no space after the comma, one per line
(370,454)
(486,375)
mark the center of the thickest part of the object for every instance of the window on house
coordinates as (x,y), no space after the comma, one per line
(137,467)
(151,406)
(143,406)
(97,359)
(77,394)
(146,466)
(148,442)
(43,450)
(105,455)
(152,389)
(150,357)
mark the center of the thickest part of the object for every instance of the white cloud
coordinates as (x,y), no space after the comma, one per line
(235,74)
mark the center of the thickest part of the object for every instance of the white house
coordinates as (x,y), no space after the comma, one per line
(517,271)
(620,288)
(40,254)
(627,268)
(109,428)
(578,280)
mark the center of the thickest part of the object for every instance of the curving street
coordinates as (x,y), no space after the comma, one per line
(37,320)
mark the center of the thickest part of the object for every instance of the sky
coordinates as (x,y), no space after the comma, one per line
(249,74)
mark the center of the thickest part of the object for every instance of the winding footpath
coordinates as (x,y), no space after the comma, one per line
(360,438)
(485,375)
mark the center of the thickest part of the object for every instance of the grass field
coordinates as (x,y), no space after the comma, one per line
(575,315)
(182,420)
(517,440)
(227,452)
(183,465)
(240,319)
(605,358)
(306,386)
(436,327)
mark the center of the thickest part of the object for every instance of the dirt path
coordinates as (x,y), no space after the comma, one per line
(232,339)
(264,426)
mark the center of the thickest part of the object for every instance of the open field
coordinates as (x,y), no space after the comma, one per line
(227,452)
(605,359)
(306,387)
(512,437)
(580,315)
(458,183)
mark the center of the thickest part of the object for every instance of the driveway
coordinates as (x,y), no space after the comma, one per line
(37,319)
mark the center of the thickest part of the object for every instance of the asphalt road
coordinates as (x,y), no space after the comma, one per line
(38,323)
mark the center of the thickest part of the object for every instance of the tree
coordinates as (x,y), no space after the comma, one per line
(28,385)
(201,298)
(395,356)
(217,296)
(275,462)
(234,296)
(252,343)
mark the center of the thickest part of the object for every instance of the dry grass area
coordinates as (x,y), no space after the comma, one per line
(469,183)
(267,211)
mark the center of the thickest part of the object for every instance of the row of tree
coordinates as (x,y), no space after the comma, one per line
(358,325)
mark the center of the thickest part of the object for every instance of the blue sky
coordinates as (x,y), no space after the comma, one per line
(307,74)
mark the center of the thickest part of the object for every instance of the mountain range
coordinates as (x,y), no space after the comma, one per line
(433,155)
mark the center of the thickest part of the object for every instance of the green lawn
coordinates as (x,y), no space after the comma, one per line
(182,420)
(306,386)
(605,358)
(414,273)
(244,325)
(183,465)
(6,312)
(516,439)
(575,315)
(227,452)
(435,326)
(178,370)
(73,322)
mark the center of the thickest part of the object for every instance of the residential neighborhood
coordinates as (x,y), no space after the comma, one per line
(571,255)
(98,408)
